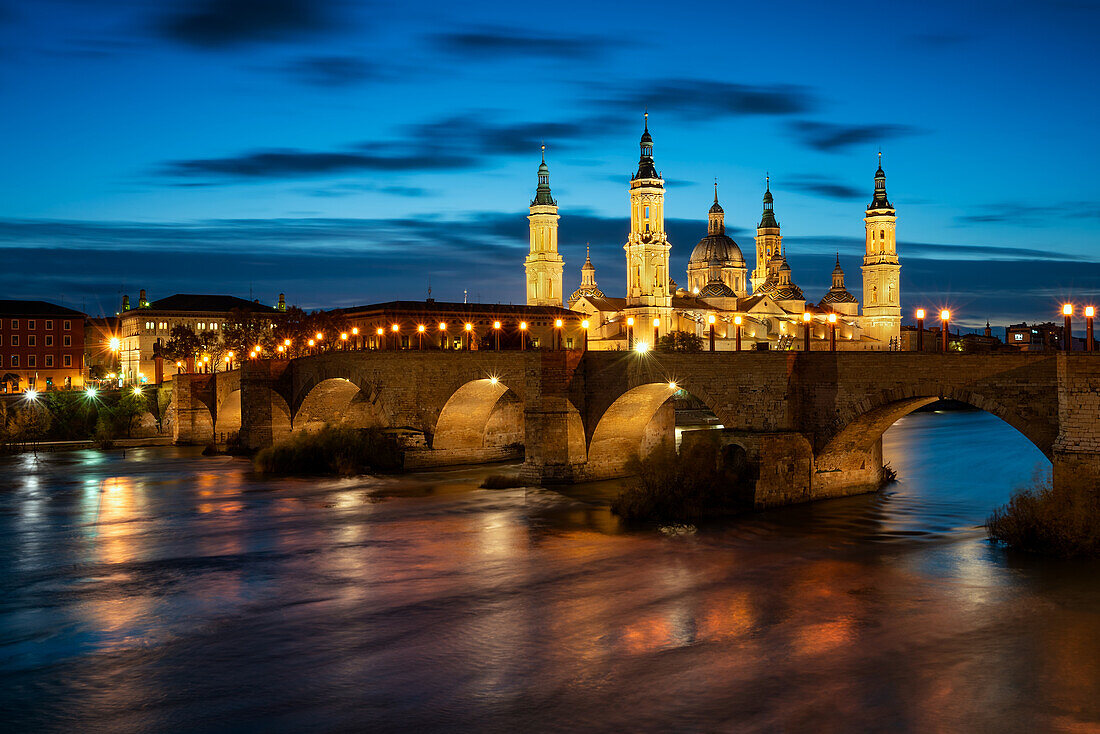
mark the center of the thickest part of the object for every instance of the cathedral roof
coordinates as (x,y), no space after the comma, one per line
(839,295)
(716,208)
(646,169)
(767,219)
(717,245)
(880,201)
(542,193)
(716,289)
(787,292)
(583,292)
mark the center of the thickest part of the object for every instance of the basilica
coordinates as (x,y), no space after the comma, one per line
(759,309)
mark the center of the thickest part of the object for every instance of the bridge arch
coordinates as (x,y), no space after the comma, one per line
(482,413)
(227,418)
(637,423)
(338,401)
(860,428)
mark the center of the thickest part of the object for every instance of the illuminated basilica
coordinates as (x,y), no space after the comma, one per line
(761,309)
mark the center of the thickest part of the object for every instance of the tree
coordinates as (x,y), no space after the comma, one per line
(182,344)
(98,372)
(294,325)
(244,330)
(680,341)
(31,422)
(130,406)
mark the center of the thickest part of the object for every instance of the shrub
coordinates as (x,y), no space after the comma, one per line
(889,475)
(503,481)
(104,436)
(704,480)
(1040,519)
(342,451)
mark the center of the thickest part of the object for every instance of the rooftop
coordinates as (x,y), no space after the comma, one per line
(204,303)
(36,308)
(489,309)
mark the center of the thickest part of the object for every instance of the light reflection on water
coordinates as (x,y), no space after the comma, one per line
(170,592)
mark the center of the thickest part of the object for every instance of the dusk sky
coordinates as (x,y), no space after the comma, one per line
(345,152)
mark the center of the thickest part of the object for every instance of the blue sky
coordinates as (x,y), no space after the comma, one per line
(345,152)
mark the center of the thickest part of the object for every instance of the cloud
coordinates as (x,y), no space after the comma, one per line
(216,24)
(1029,215)
(928,250)
(829,137)
(707,99)
(352,189)
(488,44)
(290,163)
(821,186)
(332,71)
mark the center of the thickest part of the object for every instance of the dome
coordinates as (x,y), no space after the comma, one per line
(839,296)
(787,292)
(720,246)
(716,289)
(716,208)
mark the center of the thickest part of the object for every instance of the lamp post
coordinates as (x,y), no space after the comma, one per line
(522,335)
(737,327)
(710,321)
(286,344)
(1090,312)
(395,328)
(344,340)
(920,329)
(630,332)
(807,319)
(420,329)
(832,332)
(469,335)
(558,324)
(496,335)
(656,331)
(584,337)
(945,319)
(319,336)
(442,335)
(1067,311)
(355,339)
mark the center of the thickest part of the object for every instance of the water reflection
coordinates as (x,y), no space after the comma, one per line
(421,602)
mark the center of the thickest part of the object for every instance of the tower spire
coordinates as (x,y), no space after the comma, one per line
(542,193)
(880,201)
(646,169)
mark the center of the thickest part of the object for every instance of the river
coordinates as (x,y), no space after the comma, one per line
(160,591)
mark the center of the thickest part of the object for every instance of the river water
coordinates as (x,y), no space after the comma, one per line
(161,591)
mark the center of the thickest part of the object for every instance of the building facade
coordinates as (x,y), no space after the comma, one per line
(544,264)
(41,347)
(141,329)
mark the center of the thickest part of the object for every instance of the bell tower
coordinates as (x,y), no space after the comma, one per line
(648,295)
(769,242)
(881,268)
(544,265)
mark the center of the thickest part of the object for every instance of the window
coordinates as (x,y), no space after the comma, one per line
(15,323)
(67,341)
(49,340)
(1018,337)
(49,360)
(31,341)
(30,323)
(68,360)
(15,360)
(68,325)
(15,340)
(49,324)
(162,325)
(31,361)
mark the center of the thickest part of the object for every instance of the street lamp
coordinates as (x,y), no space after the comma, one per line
(558,323)
(710,321)
(832,331)
(355,340)
(920,329)
(380,342)
(420,329)
(522,335)
(1067,311)
(469,335)
(344,340)
(656,331)
(496,335)
(442,335)
(807,319)
(737,331)
(945,319)
(1090,312)
(629,332)
(584,327)
(395,328)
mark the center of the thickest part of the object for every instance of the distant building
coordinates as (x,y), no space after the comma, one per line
(1035,337)
(444,326)
(151,323)
(98,333)
(41,346)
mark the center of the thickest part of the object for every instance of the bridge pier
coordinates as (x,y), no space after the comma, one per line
(193,396)
(554,443)
(1076,454)
(261,417)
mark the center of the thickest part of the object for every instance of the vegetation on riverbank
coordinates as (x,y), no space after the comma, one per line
(340,451)
(503,481)
(705,480)
(1038,519)
(71,415)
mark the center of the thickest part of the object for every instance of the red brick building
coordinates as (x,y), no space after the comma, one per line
(41,346)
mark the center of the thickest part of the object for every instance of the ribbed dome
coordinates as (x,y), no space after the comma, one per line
(788,292)
(716,289)
(839,296)
(719,246)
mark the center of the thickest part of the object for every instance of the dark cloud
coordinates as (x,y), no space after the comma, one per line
(821,186)
(829,137)
(928,250)
(288,163)
(698,98)
(227,23)
(332,71)
(1029,215)
(488,44)
(352,189)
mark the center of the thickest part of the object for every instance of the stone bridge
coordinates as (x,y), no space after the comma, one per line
(811,423)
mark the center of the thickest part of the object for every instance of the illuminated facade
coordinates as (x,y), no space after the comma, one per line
(767,309)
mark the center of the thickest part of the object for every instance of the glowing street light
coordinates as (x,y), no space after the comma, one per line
(31,394)
(673,386)
(710,320)
(945,319)
(380,342)
(343,340)
(442,335)
(656,331)
(737,331)
(641,347)
(137,389)
(558,323)
(920,329)
(496,335)
(629,332)
(807,318)
(420,329)
(831,318)
(1090,312)
(522,335)
(469,335)
(584,327)
(1067,311)
(90,392)
(115,344)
